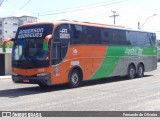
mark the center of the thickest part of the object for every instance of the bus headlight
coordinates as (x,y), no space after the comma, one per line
(15,74)
(42,74)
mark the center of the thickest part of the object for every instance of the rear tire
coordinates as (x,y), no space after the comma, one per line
(131,72)
(140,71)
(75,78)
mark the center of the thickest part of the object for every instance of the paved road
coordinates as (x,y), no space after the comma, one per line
(109,94)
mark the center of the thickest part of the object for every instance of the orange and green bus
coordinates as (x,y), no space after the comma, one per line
(61,52)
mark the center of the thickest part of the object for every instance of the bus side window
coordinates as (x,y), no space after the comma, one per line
(93,35)
(106,35)
(56,51)
(152,39)
(79,35)
(131,37)
(62,36)
(144,39)
(65,36)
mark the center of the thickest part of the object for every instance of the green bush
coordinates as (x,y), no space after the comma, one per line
(0,44)
(8,45)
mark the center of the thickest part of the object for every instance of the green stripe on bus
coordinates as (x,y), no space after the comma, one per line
(113,55)
(108,64)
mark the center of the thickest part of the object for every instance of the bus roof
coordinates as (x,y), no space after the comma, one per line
(75,22)
(90,24)
(85,23)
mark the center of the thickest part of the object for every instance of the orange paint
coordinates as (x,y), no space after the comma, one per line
(89,58)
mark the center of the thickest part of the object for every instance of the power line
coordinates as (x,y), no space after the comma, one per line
(25,4)
(80,9)
(73,8)
(83,8)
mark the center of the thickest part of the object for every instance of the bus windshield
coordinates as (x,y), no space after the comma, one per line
(28,50)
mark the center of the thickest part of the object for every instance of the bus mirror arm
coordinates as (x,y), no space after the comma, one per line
(45,43)
(8,40)
(47,38)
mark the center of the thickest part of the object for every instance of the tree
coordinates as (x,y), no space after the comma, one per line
(8,45)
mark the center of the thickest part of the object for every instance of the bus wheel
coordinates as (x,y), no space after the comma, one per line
(74,78)
(140,71)
(131,72)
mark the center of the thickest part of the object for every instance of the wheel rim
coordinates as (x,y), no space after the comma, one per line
(132,72)
(140,70)
(74,78)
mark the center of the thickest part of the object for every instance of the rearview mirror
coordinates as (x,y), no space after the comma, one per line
(45,43)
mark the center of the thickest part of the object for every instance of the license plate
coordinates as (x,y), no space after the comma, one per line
(26,81)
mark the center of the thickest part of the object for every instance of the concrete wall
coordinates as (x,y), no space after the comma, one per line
(8,60)
(8,64)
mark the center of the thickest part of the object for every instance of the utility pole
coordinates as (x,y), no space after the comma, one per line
(114,16)
(1,1)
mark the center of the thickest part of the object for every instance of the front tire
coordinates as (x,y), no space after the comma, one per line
(75,79)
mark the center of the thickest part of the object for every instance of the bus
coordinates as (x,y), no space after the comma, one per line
(158,50)
(69,52)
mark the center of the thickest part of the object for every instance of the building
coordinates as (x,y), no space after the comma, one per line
(9,25)
(8,29)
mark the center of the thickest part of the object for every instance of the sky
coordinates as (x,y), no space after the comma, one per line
(98,11)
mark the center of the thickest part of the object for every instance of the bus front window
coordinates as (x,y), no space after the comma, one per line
(17,52)
(30,53)
(42,55)
(32,46)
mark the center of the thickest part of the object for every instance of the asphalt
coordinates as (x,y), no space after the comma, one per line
(107,94)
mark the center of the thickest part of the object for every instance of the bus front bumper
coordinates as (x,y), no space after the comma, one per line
(44,80)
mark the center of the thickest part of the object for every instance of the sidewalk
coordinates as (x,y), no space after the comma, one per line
(6,77)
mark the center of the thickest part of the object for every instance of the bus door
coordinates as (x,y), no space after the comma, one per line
(59,51)
(56,52)
(60,43)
